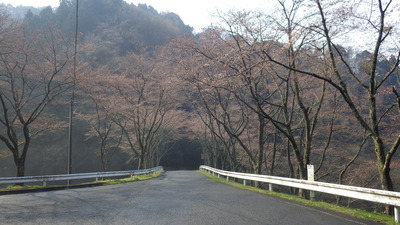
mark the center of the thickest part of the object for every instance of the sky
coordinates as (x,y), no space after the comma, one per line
(197,14)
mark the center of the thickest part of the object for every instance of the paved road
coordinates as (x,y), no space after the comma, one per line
(178,197)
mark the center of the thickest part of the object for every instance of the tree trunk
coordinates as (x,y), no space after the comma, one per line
(20,168)
(384,170)
(20,164)
(261,137)
(386,184)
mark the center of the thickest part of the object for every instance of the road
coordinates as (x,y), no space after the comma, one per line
(176,197)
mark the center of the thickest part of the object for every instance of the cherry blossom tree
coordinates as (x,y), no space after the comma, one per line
(33,73)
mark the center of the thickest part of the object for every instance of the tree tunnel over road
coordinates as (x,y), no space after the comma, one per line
(184,155)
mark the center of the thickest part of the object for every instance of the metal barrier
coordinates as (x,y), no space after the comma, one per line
(367,194)
(61,177)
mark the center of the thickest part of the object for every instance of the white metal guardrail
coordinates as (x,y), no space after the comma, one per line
(61,177)
(367,194)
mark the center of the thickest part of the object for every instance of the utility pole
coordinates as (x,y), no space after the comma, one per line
(71,106)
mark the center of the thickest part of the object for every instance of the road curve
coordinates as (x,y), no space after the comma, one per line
(176,197)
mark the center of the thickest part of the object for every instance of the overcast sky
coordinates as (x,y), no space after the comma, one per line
(197,14)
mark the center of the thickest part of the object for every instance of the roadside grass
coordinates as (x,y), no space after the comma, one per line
(20,187)
(100,182)
(131,179)
(372,216)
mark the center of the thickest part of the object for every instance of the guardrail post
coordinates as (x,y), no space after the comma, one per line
(97,179)
(44,183)
(270,188)
(244,182)
(310,175)
(227,179)
(218,175)
(397,214)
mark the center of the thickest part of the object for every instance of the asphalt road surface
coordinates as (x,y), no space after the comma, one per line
(176,197)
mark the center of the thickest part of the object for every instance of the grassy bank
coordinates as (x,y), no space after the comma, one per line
(377,217)
(95,183)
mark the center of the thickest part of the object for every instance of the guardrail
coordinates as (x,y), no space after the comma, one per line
(367,194)
(61,177)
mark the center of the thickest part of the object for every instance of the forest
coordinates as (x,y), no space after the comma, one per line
(308,82)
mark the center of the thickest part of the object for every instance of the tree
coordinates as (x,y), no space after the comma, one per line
(372,83)
(277,96)
(364,87)
(104,129)
(32,74)
(227,119)
(132,95)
